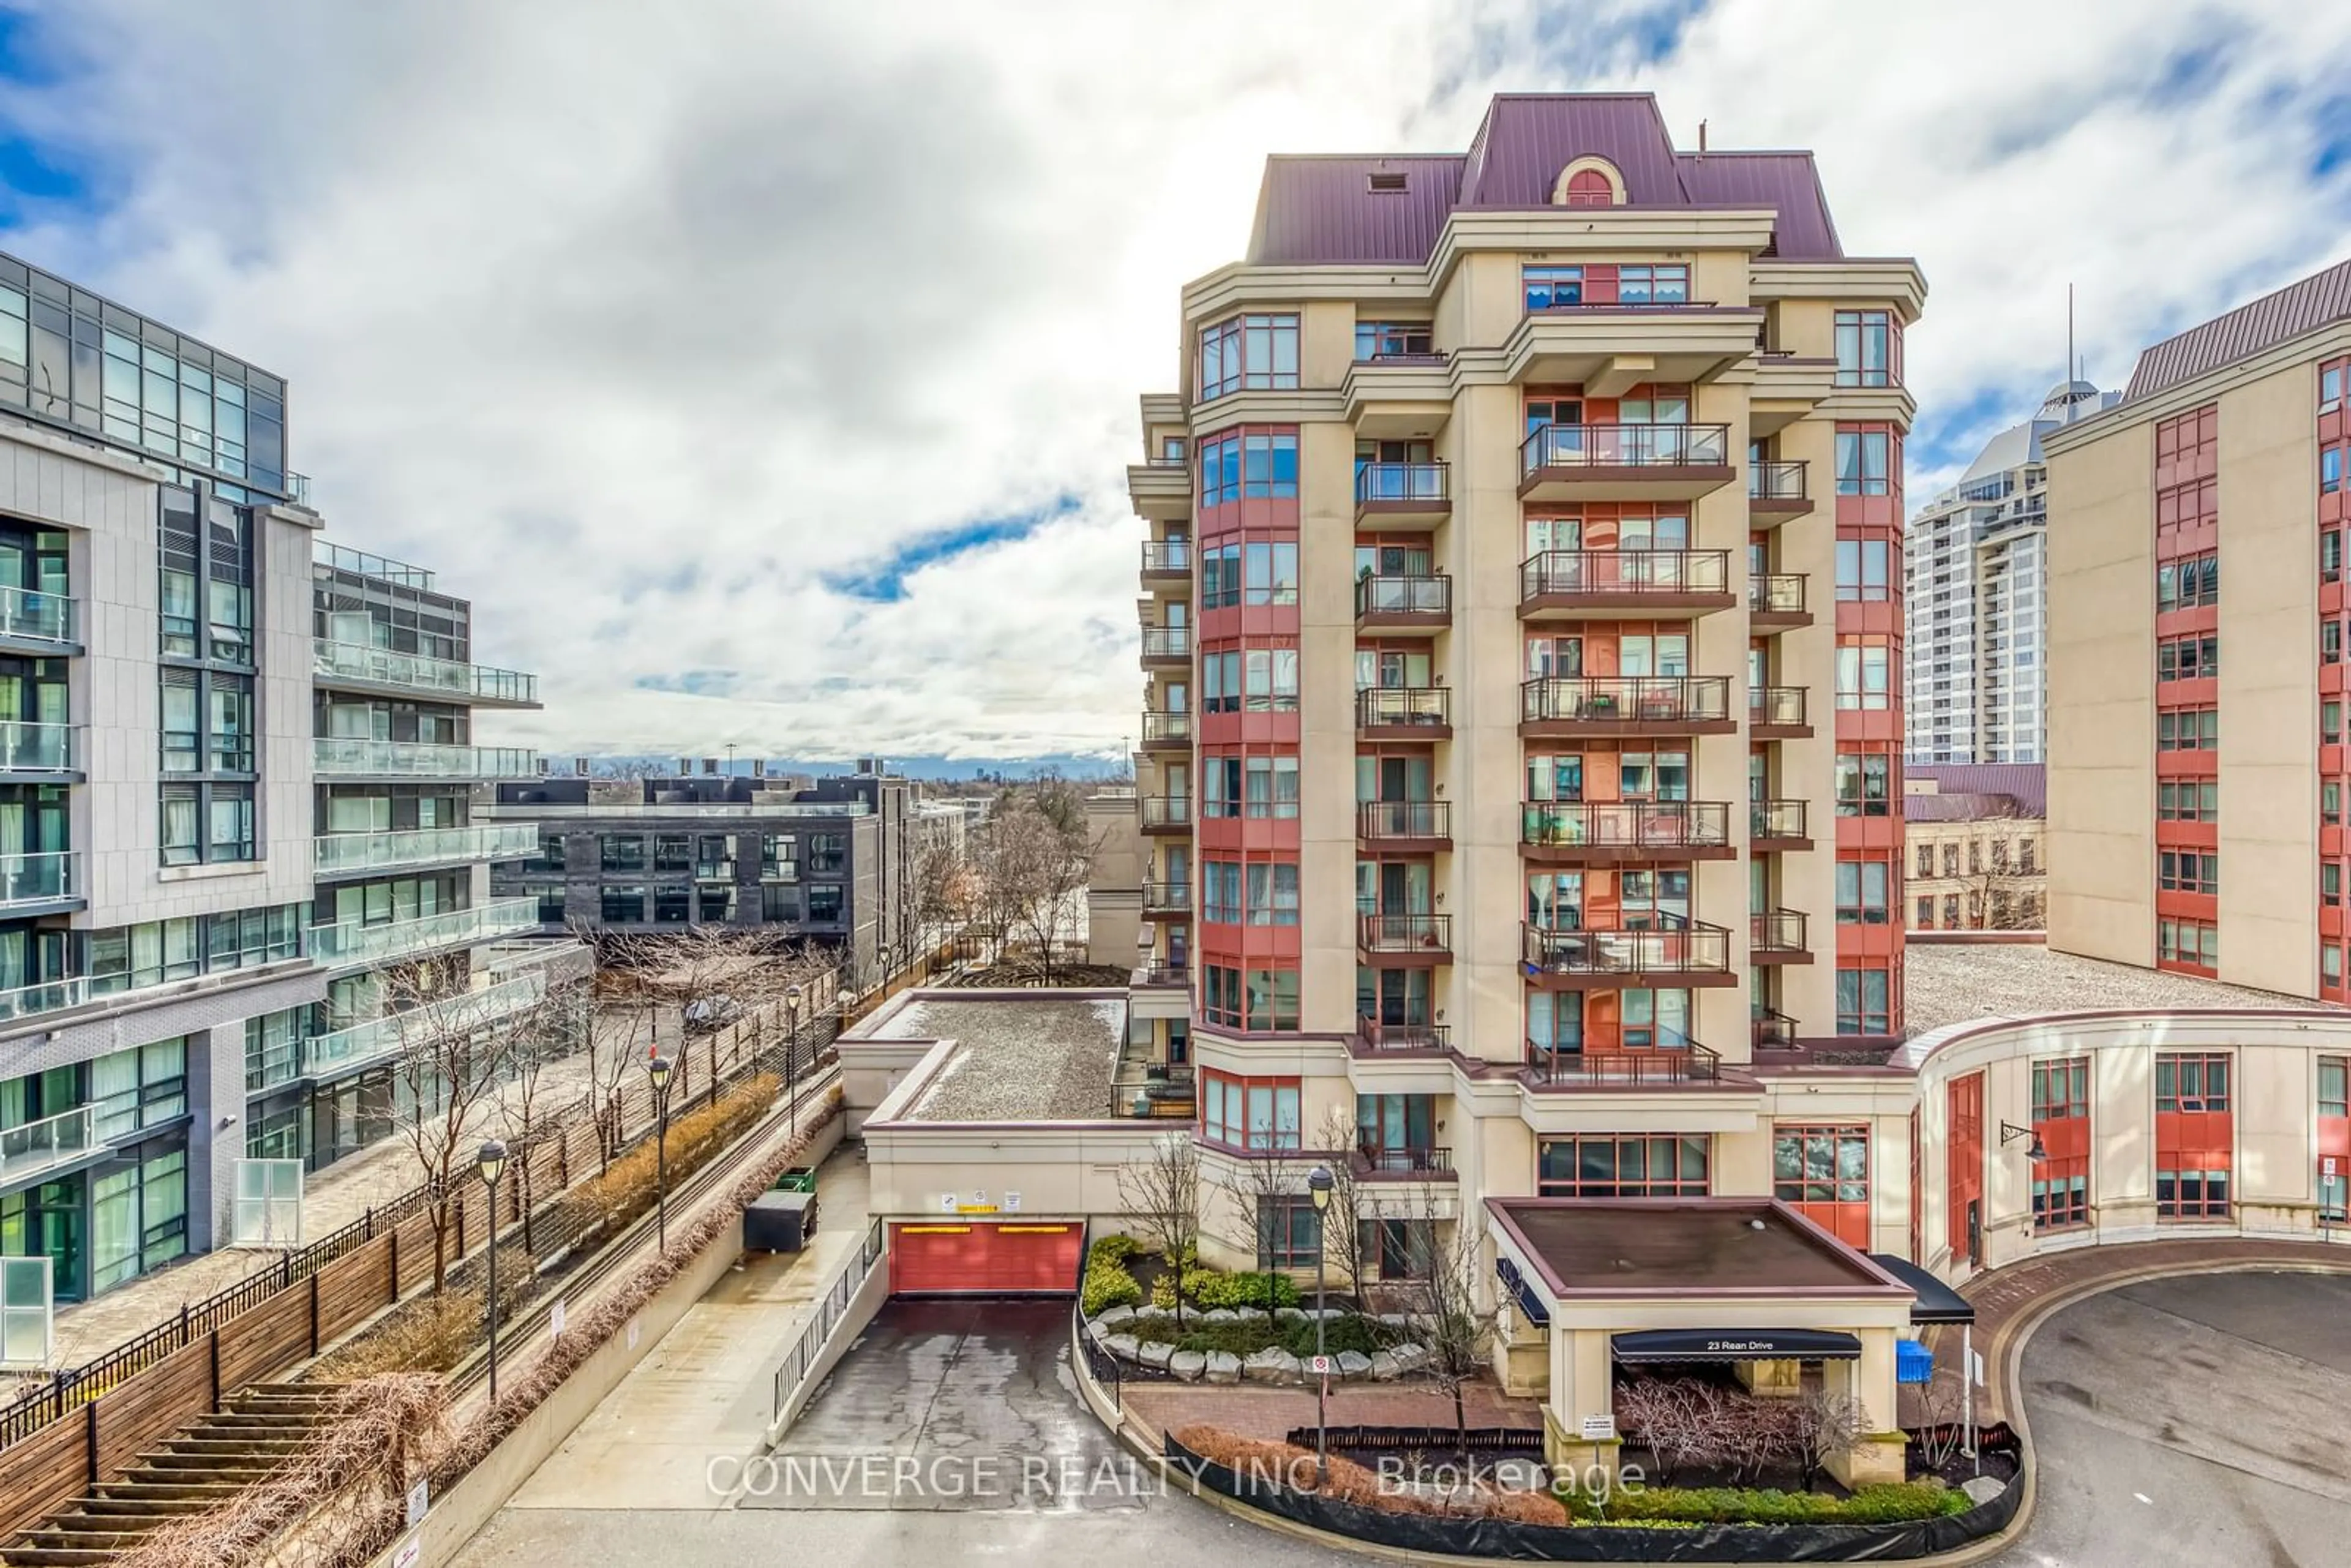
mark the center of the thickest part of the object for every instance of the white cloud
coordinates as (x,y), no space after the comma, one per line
(644,326)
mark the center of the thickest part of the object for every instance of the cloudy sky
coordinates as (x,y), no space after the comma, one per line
(766,370)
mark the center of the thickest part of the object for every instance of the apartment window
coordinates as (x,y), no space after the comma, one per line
(143,1087)
(550,905)
(1268,574)
(1608,1166)
(1925,859)
(1271,999)
(1864,1001)
(1272,786)
(2183,584)
(1864,672)
(673,905)
(2188,658)
(1660,285)
(2335,1087)
(622,852)
(714,902)
(1951,910)
(2191,1082)
(2330,722)
(779,858)
(2187,800)
(1259,1115)
(1823,1172)
(1951,859)
(2192,944)
(779,904)
(2189,871)
(2330,883)
(1924,918)
(2334,1134)
(1220,995)
(827,854)
(1272,893)
(1861,892)
(1255,463)
(1862,784)
(2194,1136)
(674,852)
(1289,1232)
(1379,339)
(206,580)
(2330,802)
(824,904)
(133,957)
(2060,1115)
(550,853)
(1550,288)
(1251,352)
(1220,577)
(1269,680)
(2330,470)
(1861,569)
(1220,892)
(621,903)
(2330,388)
(2187,729)
(1865,349)
(273,1048)
(1863,462)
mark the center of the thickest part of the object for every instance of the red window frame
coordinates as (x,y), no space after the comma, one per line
(2334,1164)
(2195,1135)
(1226,1087)
(1838,1205)
(1647,1185)
(1963,1175)
(2061,1120)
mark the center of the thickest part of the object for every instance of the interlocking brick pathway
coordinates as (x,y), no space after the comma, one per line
(1258,1411)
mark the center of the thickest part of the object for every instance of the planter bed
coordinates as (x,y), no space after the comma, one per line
(1221,1345)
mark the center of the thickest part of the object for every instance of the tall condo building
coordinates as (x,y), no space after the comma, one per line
(226,764)
(2196,682)
(1976,593)
(1523,729)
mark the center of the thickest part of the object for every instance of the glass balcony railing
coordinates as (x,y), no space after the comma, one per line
(352,941)
(418,672)
(45,1144)
(34,617)
(418,759)
(325,1055)
(39,879)
(1624,446)
(1398,482)
(335,853)
(28,748)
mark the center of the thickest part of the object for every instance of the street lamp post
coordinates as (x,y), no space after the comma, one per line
(886,971)
(492,1163)
(792,1050)
(1318,1188)
(658,1069)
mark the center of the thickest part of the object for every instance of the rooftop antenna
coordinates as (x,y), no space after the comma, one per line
(1701,138)
(2069,353)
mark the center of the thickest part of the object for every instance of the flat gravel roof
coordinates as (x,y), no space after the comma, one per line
(1017,1059)
(1958,982)
(1620,1245)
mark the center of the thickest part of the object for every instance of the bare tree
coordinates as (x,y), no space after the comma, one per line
(1160,1194)
(1446,1317)
(1349,1206)
(1822,1428)
(1035,858)
(1256,1186)
(528,1111)
(450,1061)
(713,975)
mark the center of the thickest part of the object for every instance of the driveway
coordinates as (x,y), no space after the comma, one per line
(2195,1421)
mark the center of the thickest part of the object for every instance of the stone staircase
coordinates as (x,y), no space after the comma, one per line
(201,1465)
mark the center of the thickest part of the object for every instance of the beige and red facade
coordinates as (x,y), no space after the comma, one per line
(1515,763)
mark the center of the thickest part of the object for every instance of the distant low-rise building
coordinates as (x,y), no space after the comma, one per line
(1973,835)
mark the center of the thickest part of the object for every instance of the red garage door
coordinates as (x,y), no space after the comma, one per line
(984,1258)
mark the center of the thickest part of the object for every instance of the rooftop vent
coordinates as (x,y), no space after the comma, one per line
(1387,182)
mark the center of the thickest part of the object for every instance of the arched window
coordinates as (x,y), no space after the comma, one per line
(1590,188)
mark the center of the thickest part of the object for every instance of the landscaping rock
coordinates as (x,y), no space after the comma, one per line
(1223,1366)
(1354,1363)
(1395,1320)
(1188,1365)
(1150,1314)
(1982,1489)
(1272,1364)
(1124,1346)
(1289,1314)
(1409,1358)
(1115,1319)
(1219,1315)
(1383,1366)
(1155,1353)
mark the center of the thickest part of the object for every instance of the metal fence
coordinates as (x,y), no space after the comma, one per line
(803,1357)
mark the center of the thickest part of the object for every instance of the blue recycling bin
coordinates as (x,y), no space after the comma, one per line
(1913,1362)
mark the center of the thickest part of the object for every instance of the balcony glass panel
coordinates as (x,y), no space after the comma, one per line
(416,759)
(35,879)
(36,748)
(335,852)
(416,672)
(345,1048)
(33,616)
(41,1145)
(352,942)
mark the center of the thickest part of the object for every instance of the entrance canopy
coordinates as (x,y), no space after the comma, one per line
(1733,1344)
(1938,1302)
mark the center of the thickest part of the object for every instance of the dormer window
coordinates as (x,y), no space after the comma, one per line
(1589,181)
(1392,183)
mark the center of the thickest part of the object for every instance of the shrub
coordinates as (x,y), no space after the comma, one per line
(1248,1336)
(1163,1292)
(1894,1503)
(1114,1249)
(1107,1285)
(606,1203)
(1241,1292)
(1349,1483)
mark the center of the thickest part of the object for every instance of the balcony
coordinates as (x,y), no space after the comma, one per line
(1608,348)
(1376,1160)
(364,1044)
(1168,563)
(1571,585)
(1674,952)
(1590,832)
(44,996)
(1769,1030)
(1410,604)
(1167,648)
(1405,827)
(337,757)
(1571,707)
(1378,1036)
(1410,940)
(41,749)
(1412,497)
(39,623)
(1778,827)
(1624,462)
(48,1145)
(351,944)
(38,884)
(1776,713)
(1165,813)
(1688,1063)
(1166,730)
(1777,936)
(1404,713)
(1164,972)
(356,854)
(1776,602)
(1166,900)
(1775,493)
(1398,397)
(1161,490)
(359,667)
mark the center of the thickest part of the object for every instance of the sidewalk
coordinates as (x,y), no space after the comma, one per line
(2007,1299)
(705,1391)
(1273,1412)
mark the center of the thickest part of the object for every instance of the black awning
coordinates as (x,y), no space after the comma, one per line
(1530,1305)
(1937,1302)
(1735,1344)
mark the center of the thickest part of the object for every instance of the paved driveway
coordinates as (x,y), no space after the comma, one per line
(2200,1422)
